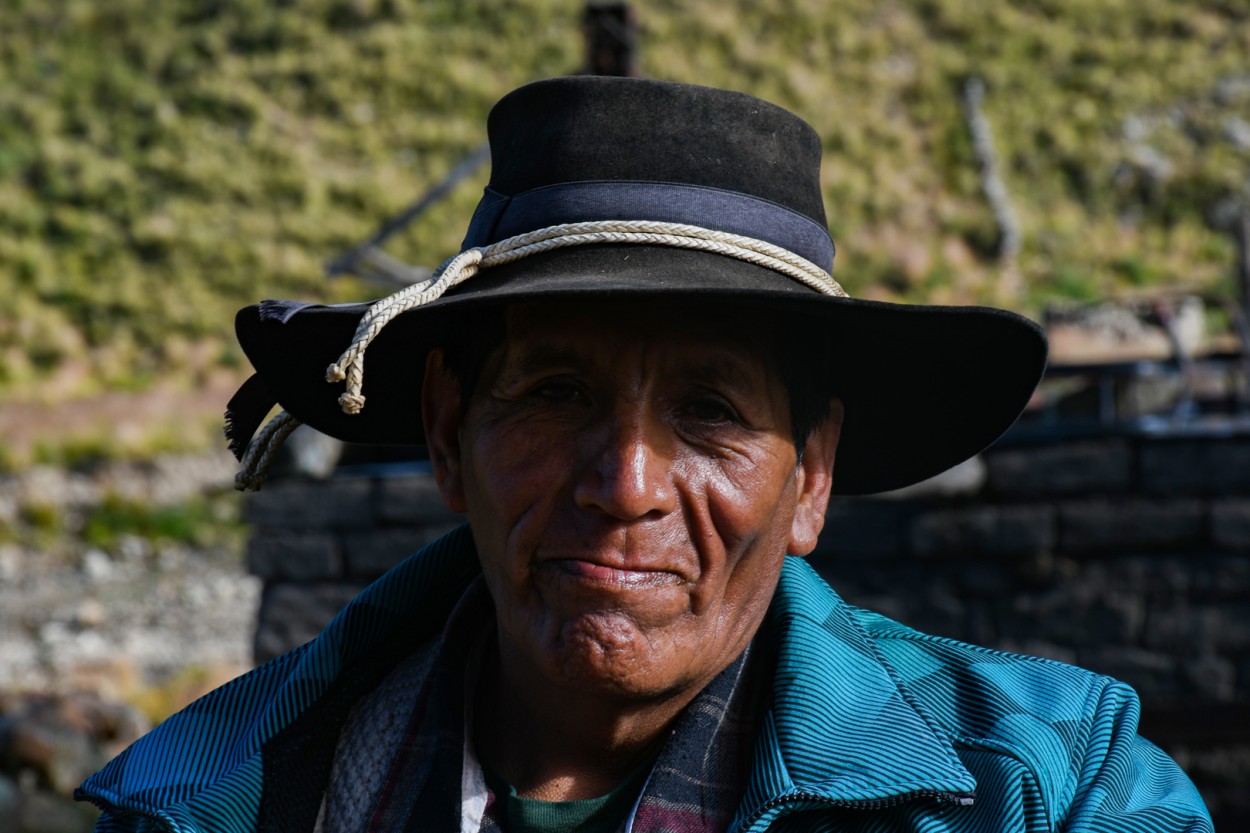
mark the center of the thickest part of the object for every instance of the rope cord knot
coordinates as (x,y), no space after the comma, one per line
(351,403)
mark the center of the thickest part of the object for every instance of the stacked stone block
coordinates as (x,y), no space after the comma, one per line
(316,544)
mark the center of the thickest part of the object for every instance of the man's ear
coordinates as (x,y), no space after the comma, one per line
(815,481)
(441,412)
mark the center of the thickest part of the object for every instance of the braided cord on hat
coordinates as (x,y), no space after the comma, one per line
(350,366)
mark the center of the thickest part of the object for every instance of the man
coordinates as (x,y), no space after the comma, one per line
(642,384)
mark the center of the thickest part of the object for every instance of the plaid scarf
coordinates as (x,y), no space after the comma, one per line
(432,781)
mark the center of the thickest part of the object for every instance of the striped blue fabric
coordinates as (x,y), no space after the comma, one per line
(872,727)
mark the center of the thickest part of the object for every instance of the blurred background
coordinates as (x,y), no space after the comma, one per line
(165,162)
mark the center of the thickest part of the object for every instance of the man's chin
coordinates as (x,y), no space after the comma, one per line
(608,654)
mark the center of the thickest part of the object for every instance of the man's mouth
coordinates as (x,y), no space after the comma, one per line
(593,572)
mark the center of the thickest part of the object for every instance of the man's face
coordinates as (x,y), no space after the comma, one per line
(632,486)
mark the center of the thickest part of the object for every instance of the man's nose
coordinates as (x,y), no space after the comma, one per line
(628,475)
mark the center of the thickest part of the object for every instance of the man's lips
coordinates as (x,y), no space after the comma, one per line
(596,572)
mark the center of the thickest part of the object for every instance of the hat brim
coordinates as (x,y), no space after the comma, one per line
(924,387)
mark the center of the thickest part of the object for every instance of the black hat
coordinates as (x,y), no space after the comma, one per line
(624,188)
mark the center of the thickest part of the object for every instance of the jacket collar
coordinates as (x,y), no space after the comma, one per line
(842,728)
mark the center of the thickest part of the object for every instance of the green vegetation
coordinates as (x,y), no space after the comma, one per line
(163,162)
(211,521)
(199,523)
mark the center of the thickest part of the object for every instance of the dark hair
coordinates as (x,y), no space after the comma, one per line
(803,367)
(798,358)
(466,348)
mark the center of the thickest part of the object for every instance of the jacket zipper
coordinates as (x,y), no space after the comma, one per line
(960,799)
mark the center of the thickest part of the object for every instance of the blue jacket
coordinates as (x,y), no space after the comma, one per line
(872,727)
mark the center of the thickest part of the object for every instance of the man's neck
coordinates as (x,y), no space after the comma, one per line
(557,744)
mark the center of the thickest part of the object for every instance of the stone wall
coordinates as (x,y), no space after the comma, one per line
(1127,556)
(316,544)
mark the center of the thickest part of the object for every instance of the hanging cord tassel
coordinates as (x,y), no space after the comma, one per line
(262,450)
(350,367)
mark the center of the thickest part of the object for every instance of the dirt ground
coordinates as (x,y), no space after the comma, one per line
(119,422)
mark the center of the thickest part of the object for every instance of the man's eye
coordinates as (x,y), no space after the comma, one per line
(557,390)
(709,410)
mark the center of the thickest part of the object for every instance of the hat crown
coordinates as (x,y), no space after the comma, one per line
(596,128)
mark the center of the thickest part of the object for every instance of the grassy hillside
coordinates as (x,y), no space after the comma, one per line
(163,162)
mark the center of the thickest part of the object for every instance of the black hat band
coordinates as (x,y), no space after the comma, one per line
(498,216)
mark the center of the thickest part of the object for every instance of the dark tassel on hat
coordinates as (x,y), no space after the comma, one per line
(280,311)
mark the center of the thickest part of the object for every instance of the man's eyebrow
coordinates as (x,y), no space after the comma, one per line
(724,369)
(533,357)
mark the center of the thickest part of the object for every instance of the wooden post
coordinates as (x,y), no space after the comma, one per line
(993,187)
(611,33)
(1241,242)
(1241,276)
